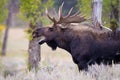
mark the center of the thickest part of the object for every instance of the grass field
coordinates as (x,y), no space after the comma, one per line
(54,65)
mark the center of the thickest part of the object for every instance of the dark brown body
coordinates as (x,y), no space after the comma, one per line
(86,44)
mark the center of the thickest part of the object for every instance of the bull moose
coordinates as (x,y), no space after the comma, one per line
(86,44)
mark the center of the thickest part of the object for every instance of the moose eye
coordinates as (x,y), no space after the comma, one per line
(51,29)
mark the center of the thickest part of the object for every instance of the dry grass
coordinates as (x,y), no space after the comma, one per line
(55,65)
(65,72)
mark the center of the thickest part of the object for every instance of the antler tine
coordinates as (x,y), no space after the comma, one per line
(77,13)
(60,10)
(82,14)
(69,13)
(46,11)
(52,19)
(75,18)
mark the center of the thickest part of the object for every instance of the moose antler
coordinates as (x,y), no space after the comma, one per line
(76,18)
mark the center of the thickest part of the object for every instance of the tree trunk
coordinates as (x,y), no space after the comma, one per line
(13,8)
(114,16)
(34,50)
(96,13)
(34,54)
(8,24)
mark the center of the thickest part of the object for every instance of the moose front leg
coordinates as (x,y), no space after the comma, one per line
(84,61)
(82,65)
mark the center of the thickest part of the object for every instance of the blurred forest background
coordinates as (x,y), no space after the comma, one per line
(18,18)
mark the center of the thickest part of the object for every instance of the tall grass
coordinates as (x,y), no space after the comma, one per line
(64,72)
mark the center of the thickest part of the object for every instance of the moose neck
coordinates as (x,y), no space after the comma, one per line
(63,44)
(64,40)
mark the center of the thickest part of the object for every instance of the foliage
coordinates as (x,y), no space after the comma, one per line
(114,17)
(68,4)
(29,33)
(3,10)
(106,12)
(85,7)
(32,10)
(2,27)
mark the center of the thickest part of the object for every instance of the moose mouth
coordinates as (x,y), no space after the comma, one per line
(42,40)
